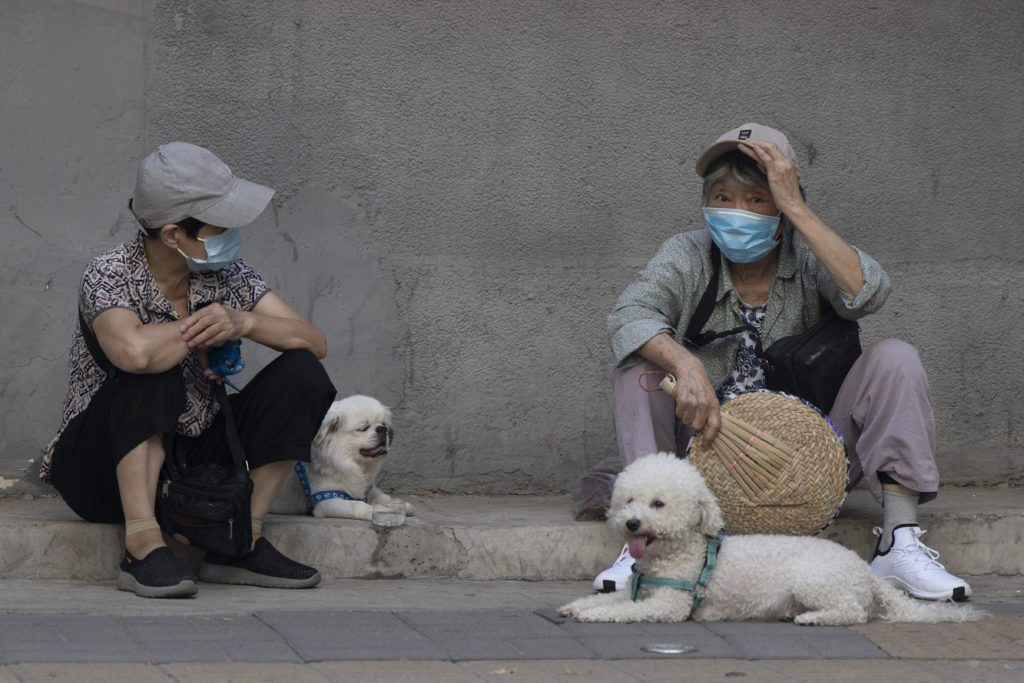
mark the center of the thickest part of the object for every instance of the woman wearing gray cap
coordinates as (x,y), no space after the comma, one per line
(779,262)
(151,310)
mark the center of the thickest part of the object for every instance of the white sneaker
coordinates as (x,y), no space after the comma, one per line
(912,566)
(616,577)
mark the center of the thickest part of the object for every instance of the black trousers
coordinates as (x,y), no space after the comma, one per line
(277,414)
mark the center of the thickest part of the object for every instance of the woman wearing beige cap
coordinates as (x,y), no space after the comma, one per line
(780,264)
(150,312)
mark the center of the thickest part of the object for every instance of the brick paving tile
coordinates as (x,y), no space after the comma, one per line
(547,672)
(1000,636)
(396,672)
(235,672)
(86,673)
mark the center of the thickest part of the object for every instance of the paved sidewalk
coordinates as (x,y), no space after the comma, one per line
(458,630)
(435,600)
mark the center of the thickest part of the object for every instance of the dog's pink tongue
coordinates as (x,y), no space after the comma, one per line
(637,546)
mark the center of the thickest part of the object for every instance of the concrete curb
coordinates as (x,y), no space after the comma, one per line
(977,530)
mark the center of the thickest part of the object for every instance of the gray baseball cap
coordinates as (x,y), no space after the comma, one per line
(735,137)
(180,180)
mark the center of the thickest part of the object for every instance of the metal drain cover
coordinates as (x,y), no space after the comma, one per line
(668,648)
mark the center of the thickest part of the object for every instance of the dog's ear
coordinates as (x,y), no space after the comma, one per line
(326,430)
(711,519)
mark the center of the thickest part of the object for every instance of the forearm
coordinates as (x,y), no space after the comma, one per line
(147,349)
(839,258)
(284,333)
(667,353)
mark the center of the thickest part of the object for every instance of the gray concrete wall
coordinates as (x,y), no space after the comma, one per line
(465,187)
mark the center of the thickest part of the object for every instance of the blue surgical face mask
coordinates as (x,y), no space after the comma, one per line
(743,236)
(221,249)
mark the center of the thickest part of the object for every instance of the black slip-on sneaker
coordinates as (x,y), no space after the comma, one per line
(160,574)
(263,566)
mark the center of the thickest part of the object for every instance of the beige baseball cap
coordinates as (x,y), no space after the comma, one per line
(181,180)
(735,137)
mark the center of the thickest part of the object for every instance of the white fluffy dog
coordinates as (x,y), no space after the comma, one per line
(668,514)
(346,458)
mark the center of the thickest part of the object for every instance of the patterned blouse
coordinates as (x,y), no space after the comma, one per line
(747,373)
(120,278)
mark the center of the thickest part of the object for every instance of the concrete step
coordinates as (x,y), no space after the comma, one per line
(977,531)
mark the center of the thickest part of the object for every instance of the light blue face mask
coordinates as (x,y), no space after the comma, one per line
(221,249)
(743,236)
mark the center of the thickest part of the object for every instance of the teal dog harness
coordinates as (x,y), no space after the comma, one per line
(699,587)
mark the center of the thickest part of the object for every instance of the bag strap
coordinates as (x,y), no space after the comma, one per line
(234,443)
(694,334)
(707,302)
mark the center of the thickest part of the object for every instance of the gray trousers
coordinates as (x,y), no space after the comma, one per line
(883,410)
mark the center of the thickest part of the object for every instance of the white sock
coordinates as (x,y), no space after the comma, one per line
(898,509)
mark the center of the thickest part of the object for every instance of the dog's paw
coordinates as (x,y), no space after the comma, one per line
(601,614)
(346,509)
(567,611)
(409,509)
(589,616)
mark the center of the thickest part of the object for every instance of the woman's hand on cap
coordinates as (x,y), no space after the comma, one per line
(781,172)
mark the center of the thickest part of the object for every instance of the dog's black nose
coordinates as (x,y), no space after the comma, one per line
(633,524)
(381,429)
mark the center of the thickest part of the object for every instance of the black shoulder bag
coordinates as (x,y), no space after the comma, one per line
(811,365)
(206,505)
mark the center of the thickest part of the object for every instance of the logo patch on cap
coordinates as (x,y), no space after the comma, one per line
(745,134)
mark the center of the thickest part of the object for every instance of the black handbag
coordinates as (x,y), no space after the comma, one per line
(811,365)
(814,363)
(208,505)
(205,505)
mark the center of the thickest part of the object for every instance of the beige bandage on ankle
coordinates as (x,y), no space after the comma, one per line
(257,527)
(137,526)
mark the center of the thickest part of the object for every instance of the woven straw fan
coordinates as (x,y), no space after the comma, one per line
(753,457)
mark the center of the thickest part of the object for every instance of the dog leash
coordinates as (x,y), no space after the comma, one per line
(320,496)
(698,587)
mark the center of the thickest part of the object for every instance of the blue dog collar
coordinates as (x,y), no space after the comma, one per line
(314,498)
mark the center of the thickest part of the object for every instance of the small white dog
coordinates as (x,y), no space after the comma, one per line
(668,514)
(346,458)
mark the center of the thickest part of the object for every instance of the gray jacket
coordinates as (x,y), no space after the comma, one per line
(663,296)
